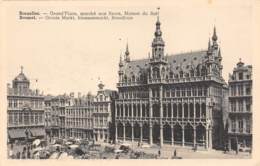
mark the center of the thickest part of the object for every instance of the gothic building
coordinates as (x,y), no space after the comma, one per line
(171,99)
(25,110)
(240,108)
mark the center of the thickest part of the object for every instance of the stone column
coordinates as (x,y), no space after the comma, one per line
(194,136)
(207,137)
(172,130)
(161,135)
(183,136)
(210,138)
(124,105)
(151,134)
(132,127)
(141,133)
(141,110)
(123,132)
(116,134)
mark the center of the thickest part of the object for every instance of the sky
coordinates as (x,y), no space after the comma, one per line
(71,56)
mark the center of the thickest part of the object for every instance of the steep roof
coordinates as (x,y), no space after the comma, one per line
(176,62)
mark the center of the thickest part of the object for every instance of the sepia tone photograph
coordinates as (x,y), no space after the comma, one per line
(140,81)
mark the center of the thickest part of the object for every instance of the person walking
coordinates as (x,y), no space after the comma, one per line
(175,153)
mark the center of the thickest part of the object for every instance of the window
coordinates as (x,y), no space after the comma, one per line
(240,90)
(233,106)
(188,92)
(233,90)
(248,125)
(26,118)
(178,92)
(240,125)
(240,76)
(194,91)
(233,125)
(248,90)
(248,105)
(240,106)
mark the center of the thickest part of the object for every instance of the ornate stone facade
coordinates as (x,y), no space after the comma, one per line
(102,114)
(25,110)
(240,108)
(171,99)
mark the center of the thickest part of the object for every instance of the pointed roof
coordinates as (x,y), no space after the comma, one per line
(214,36)
(21,77)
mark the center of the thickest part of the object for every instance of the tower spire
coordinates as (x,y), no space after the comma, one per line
(127,53)
(21,69)
(214,36)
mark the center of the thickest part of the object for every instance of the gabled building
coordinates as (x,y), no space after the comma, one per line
(25,110)
(240,108)
(102,114)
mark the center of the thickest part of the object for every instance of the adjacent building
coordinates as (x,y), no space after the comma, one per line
(102,113)
(78,117)
(171,99)
(240,108)
(25,111)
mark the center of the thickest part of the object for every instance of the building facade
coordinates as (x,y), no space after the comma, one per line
(240,108)
(78,117)
(25,111)
(102,113)
(171,99)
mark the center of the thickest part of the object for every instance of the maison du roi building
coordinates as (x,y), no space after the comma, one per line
(176,99)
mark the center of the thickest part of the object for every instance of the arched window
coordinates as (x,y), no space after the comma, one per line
(192,73)
(181,74)
(156,73)
(133,78)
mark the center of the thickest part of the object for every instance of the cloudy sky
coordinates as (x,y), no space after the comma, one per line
(70,56)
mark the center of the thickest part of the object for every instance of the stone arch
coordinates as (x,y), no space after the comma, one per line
(120,129)
(136,130)
(167,133)
(200,134)
(156,133)
(146,130)
(188,134)
(133,78)
(163,72)
(125,79)
(178,133)
(156,72)
(128,130)
(204,71)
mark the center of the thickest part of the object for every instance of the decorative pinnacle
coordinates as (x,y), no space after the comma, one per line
(21,69)
(214,37)
(127,50)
